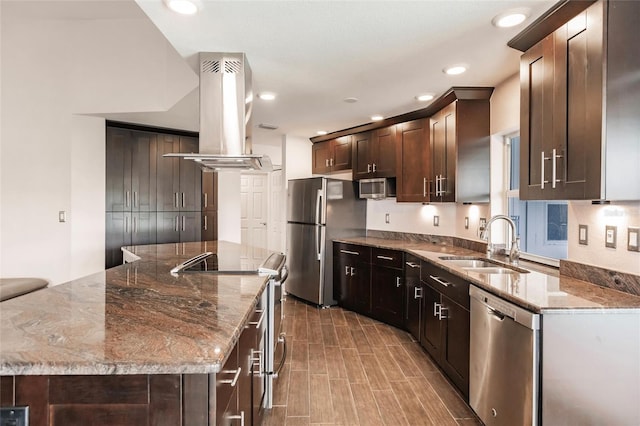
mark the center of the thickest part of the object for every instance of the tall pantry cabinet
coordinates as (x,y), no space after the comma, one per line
(149,199)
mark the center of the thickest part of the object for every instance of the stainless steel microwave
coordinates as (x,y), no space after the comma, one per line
(377,188)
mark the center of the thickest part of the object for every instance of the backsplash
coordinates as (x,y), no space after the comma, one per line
(621,281)
(426,238)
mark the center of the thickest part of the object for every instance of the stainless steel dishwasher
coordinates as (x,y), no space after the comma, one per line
(504,361)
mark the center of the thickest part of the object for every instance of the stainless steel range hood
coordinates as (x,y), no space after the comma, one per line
(226,101)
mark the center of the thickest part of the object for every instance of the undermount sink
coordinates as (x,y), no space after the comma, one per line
(482,265)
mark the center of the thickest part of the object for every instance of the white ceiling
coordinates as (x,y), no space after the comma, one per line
(313,54)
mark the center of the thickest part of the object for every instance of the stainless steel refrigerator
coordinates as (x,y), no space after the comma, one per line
(319,210)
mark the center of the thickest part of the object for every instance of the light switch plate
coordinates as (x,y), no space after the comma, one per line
(583,235)
(386,218)
(633,238)
(610,236)
(436,220)
(466,222)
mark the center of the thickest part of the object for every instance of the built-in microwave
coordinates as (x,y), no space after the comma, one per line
(377,188)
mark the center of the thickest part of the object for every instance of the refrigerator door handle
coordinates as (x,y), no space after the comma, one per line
(318,243)
(319,207)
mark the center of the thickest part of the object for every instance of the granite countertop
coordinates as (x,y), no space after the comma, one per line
(542,290)
(132,319)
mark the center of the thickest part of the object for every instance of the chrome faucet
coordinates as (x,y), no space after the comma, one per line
(514,252)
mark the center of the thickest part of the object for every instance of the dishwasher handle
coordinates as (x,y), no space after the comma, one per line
(496,314)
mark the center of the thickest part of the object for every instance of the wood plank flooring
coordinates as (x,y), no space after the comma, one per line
(347,369)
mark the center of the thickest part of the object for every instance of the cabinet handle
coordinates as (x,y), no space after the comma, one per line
(398,283)
(238,417)
(424,187)
(233,381)
(353,271)
(355,253)
(553,168)
(126,198)
(417,293)
(437,185)
(206,200)
(256,356)
(368,168)
(542,160)
(175,200)
(126,224)
(183,199)
(346,270)
(183,223)
(177,224)
(205,222)
(443,315)
(135,224)
(436,309)
(374,167)
(331,162)
(384,257)
(443,189)
(259,322)
(412,264)
(440,281)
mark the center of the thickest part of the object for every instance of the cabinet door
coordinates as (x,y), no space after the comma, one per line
(443,140)
(246,345)
(143,228)
(117,236)
(168,175)
(143,171)
(536,117)
(360,288)
(341,151)
(361,147)
(190,177)
(168,227)
(577,108)
(431,336)
(413,161)
(226,391)
(209,191)
(118,165)
(383,153)
(413,305)
(387,295)
(189,226)
(341,278)
(321,157)
(209,229)
(455,349)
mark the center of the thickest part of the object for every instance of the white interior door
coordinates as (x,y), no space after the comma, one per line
(254,199)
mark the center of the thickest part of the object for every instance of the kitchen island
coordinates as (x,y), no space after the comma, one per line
(132,345)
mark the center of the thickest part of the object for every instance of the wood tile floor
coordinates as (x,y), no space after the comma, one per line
(344,368)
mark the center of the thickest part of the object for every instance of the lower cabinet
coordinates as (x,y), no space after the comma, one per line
(387,286)
(445,325)
(178,227)
(413,296)
(127,228)
(352,277)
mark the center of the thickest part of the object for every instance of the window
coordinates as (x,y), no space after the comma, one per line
(541,225)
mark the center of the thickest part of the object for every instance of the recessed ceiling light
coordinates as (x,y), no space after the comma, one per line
(350,100)
(510,18)
(455,69)
(321,132)
(267,96)
(376,117)
(424,97)
(184,7)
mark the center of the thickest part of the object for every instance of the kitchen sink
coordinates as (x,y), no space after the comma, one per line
(480,264)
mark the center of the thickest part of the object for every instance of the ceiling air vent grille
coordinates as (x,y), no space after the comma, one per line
(211,67)
(232,66)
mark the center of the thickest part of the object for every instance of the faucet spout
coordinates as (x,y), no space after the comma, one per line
(514,252)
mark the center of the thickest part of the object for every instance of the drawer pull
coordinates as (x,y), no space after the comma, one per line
(440,281)
(417,293)
(412,264)
(350,252)
(233,381)
(259,322)
(237,417)
(384,257)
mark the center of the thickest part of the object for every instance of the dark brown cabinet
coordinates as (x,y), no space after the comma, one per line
(374,153)
(413,296)
(413,162)
(209,219)
(459,138)
(387,286)
(332,155)
(179,181)
(445,332)
(173,227)
(352,277)
(578,104)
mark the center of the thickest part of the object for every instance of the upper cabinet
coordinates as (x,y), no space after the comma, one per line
(374,153)
(579,102)
(413,161)
(332,155)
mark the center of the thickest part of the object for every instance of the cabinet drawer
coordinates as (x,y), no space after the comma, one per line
(387,258)
(357,252)
(446,283)
(226,383)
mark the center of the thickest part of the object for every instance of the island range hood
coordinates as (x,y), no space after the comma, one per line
(226,100)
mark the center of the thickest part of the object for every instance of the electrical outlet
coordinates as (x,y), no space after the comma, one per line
(610,236)
(483,224)
(62,216)
(583,235)
(14,416)
(466,222)
(386,218)
(436,220)
(633,237)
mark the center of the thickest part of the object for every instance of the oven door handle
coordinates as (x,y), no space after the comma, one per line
(281,339)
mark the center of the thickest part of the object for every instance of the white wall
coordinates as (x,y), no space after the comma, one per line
(297,157)
(53,159)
